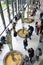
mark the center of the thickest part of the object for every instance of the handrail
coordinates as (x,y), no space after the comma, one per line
(5,29)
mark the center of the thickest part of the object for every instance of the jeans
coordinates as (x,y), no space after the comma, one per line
(29,35)
(25,47)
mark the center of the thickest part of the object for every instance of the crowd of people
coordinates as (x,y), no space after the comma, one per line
(38,30)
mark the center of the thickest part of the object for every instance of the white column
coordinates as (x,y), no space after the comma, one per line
(21,3)
(17,5)
(31,2)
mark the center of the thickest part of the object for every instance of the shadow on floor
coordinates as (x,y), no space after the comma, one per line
(41,63)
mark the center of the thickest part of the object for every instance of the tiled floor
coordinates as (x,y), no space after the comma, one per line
(18,42)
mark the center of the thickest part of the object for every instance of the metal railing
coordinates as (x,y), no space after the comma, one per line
(5,29)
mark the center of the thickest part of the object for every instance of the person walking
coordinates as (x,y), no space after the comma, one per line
(30,31)
(31,54)
(25,42)
(37,28)
(38,53)
(41,32)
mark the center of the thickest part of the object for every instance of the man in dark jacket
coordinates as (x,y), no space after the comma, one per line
(3,40)
(30,31)
(31,53)
(41,15)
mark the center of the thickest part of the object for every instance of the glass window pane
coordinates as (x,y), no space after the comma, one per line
(5,13)
(3,5)
(6,17)
(1,25)
(10,9)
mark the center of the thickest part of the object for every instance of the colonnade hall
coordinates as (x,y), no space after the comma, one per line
(21,32)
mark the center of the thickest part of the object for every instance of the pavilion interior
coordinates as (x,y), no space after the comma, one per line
(8,10)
